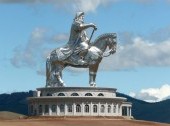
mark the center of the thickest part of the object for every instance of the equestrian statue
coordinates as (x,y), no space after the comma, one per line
(79,52)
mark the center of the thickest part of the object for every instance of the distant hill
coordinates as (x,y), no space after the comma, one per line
(15,102)
(141,110)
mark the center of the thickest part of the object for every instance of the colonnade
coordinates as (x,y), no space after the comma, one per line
(79,109)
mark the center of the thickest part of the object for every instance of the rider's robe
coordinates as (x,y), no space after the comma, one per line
(77,36)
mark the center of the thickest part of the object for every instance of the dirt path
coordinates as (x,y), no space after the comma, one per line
(77,122)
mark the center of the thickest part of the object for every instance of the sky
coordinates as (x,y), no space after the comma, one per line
(31,29)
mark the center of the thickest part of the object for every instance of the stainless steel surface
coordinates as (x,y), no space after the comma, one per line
(79,52)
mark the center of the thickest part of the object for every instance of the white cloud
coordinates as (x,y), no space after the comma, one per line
(34,53)
(76,5)
(73,5)
(132,94)
(153,94)
(89,5)
(137,53)
(26,56)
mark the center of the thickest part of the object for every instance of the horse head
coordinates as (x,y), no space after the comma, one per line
(111,43)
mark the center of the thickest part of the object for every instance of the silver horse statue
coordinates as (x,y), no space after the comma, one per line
(103,46)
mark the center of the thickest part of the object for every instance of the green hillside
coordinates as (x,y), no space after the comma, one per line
(141,110)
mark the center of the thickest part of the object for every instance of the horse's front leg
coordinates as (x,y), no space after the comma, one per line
(58,75)
(92,74)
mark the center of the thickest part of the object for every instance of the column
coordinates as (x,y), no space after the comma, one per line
(82,109)
(98,109)
(106,109)
(43,109)
(127,108)
(130,112)
(117,109)
(50,111)
(112,107)
(74,109)
(38,93)
(91,108)
(65,109)
(58,111)
(120,109)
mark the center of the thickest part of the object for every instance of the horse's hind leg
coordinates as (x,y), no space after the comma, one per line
(92,74)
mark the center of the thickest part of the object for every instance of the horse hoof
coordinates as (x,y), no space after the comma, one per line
(92,84)
(62,85)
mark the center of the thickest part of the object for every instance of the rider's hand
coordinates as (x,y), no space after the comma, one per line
(95,27)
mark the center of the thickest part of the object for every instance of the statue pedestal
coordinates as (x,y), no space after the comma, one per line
(78,101)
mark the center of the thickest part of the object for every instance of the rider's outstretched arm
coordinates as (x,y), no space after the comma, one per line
(85,26)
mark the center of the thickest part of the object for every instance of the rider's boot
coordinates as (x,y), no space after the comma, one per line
(77,60)
(81,61)
(81,57)
(83,53)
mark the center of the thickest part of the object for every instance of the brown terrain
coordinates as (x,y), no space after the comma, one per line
(19,120)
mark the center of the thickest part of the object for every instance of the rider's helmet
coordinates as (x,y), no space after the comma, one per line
(79,14)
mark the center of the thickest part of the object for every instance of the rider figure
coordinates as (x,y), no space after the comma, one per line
(78,41)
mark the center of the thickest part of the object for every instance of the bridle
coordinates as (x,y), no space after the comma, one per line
(112,50)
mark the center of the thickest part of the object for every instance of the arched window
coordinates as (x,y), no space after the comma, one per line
(74,94)
(40,109)
(95,108)
(54,108)
(102,109)
(46,109)
(48,94)
(100,94)
(109,109)
(70,107)
(86,108)
(78,108)
(88,94)
(61,108)
(114,108)
(61,94)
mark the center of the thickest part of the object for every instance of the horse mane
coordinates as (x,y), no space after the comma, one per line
(106,35)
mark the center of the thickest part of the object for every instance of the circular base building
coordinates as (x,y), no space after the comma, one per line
(78,101)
